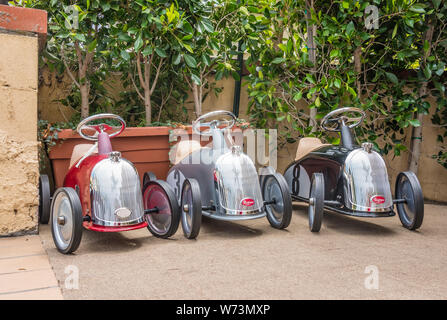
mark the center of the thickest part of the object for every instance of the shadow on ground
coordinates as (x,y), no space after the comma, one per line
(348,224)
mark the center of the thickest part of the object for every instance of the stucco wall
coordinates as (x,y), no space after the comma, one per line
(19,168)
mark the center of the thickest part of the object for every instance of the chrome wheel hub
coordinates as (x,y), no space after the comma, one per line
(62,220)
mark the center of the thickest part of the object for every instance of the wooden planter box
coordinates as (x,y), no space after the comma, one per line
(146,147)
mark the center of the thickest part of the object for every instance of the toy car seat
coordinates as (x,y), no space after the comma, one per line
(307,145)
(79,151)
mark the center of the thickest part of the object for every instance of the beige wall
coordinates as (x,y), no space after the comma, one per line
(433,176)
(19,167)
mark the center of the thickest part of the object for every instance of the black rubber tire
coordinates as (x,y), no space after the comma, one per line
(416,200)
(316,209)
(148,176)
(174,207)
(44,199)
(286,207)
(76,210)
(191,232)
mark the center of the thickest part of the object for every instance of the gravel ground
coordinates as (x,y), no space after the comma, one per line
(251,260)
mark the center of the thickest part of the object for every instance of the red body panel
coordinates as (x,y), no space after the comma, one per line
(95,227)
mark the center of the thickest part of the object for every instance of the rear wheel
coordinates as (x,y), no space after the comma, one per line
(275,189)
(148,176)
(66,220)
(163,222)
(191,208)
(411,213)
(44,199)
(316,202)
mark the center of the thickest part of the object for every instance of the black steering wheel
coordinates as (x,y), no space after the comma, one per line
(349,116)
(221,118)
(98,128)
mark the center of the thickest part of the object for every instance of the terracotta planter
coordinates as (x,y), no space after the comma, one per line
(146,147)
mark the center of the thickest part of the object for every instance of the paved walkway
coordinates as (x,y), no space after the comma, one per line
(351,258)
(25,272)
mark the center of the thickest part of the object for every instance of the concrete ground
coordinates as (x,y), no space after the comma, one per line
(251,260)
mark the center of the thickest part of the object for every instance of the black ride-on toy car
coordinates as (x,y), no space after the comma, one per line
(350,179)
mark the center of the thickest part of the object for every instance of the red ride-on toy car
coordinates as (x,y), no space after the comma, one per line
(102,192)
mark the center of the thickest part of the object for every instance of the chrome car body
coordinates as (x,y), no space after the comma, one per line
(115,192)
(366,185)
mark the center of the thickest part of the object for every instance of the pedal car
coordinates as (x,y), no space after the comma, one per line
(221,182)
(102,192)
(350,179)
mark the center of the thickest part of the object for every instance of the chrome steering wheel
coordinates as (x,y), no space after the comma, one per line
(349,116)
(98,128)
(220,119)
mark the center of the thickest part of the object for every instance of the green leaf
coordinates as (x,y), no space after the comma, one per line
(427,72)
(196,79)
(278,60)
(187,28)
(138,43)
(92,45)
(415,123)
(125,55)
(207,25)
(147,51)
(318,102)
(161,52)
(206,59)
(337,83)
(394,31)
(392,77)
(80,37)
(310,78)
(350,28)
(418,8)
(187,47)
(176,59)
(190,61)
(334,53)
(297,96)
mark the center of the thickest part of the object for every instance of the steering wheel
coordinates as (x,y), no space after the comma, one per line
(220,120)
(350,116)
(98,128)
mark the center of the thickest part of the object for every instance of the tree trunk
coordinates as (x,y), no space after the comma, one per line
(311,34)
(84,89)
(416,139)
(197,99)
(358,70)
(148,106)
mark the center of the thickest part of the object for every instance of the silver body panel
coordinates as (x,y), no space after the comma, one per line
(365,177)
(237,180)
(115,193)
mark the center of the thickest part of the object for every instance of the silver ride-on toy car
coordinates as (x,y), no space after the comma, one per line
(221,182)
(350,179)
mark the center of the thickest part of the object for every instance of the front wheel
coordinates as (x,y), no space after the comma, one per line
(276,192)
(411,212)
(316,202)
(191,207)
(66,220)
(164,221)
